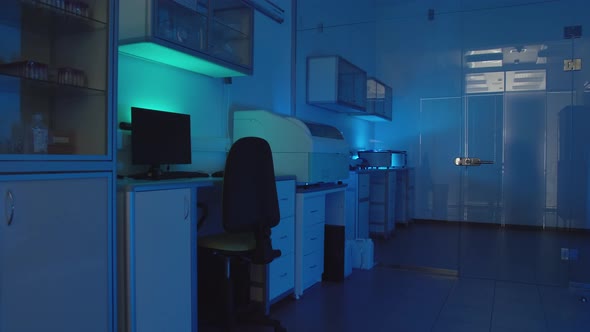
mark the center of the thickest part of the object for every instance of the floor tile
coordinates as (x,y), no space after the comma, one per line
(511,280)
(453,326)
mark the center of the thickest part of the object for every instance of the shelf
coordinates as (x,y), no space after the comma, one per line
(200,8)
(45,17)
(229,32)
(17,84)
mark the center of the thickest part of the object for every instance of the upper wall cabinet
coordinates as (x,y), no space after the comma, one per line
(55,80)
(379,101)
(211,37)
(336,84)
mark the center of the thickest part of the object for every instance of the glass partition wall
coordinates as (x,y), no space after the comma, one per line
(506,84)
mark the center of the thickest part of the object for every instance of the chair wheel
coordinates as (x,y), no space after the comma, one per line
(280,329)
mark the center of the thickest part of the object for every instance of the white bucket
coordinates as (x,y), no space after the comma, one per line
(363,256)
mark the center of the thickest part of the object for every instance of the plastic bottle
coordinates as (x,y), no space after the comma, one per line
(39,134)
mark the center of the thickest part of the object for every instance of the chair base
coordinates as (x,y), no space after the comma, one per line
(238,312)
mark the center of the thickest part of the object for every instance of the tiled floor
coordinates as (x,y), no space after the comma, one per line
(494,296)
(519,255)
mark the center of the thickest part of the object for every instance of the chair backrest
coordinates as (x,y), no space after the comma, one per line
(250,200)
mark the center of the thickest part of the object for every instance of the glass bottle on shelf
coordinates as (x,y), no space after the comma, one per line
(38,135)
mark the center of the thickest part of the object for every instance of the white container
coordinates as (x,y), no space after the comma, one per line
(363,256)
(39,134)
(348,256)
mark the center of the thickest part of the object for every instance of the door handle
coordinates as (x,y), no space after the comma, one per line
(466,161)
(9,206)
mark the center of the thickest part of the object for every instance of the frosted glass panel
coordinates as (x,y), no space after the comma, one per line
(483,184)
(524,164)
(437,178)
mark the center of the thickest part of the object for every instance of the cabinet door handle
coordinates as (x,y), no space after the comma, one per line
(283,275)
(9,205)
(313,238)
(313,267)
(313,211)
(284,199)
(186,207)
(283,237)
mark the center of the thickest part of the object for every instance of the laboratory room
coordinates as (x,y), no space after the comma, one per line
(294,165)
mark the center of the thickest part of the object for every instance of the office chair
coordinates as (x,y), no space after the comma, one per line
(249,210)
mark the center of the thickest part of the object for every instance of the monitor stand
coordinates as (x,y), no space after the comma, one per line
(154,172)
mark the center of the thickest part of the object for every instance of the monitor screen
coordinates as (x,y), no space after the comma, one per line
(159,138)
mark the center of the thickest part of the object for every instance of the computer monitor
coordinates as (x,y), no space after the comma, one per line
(159,138)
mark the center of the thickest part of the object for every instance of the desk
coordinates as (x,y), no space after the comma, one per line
(156,226)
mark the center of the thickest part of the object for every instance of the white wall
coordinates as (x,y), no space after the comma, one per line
(348,30)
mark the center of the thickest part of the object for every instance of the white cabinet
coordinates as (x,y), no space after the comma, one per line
(159,259)
(309,240)
(314,209)
(336,84)
(282,270)
(54,253)
(382,202)
(357,206)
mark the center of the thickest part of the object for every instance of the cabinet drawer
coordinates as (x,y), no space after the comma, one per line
(283,236)
(314,210)
(313,267)
(286,194)
(281,275)
(313,238)
(363,186)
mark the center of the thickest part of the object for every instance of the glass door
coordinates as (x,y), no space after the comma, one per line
(232,32)
(577,118)
(54,79)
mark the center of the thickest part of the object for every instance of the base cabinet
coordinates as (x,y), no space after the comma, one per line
(382,203)
(54,253)
(282,270)
(357,205)
(315,208)
(160,262)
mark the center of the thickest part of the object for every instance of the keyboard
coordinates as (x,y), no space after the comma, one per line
(171,175)
(182,175)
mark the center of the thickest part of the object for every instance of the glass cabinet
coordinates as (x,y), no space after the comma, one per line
(211,37)
(54,79)
(379,101)
(336,84)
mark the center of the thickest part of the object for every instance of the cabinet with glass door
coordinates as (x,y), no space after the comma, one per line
(210,37)
(55,73)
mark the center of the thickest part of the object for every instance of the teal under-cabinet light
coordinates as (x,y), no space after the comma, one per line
(162,54)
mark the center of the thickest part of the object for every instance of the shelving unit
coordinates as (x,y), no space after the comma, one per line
(57,166)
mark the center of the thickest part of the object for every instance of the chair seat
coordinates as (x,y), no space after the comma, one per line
(229,242)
